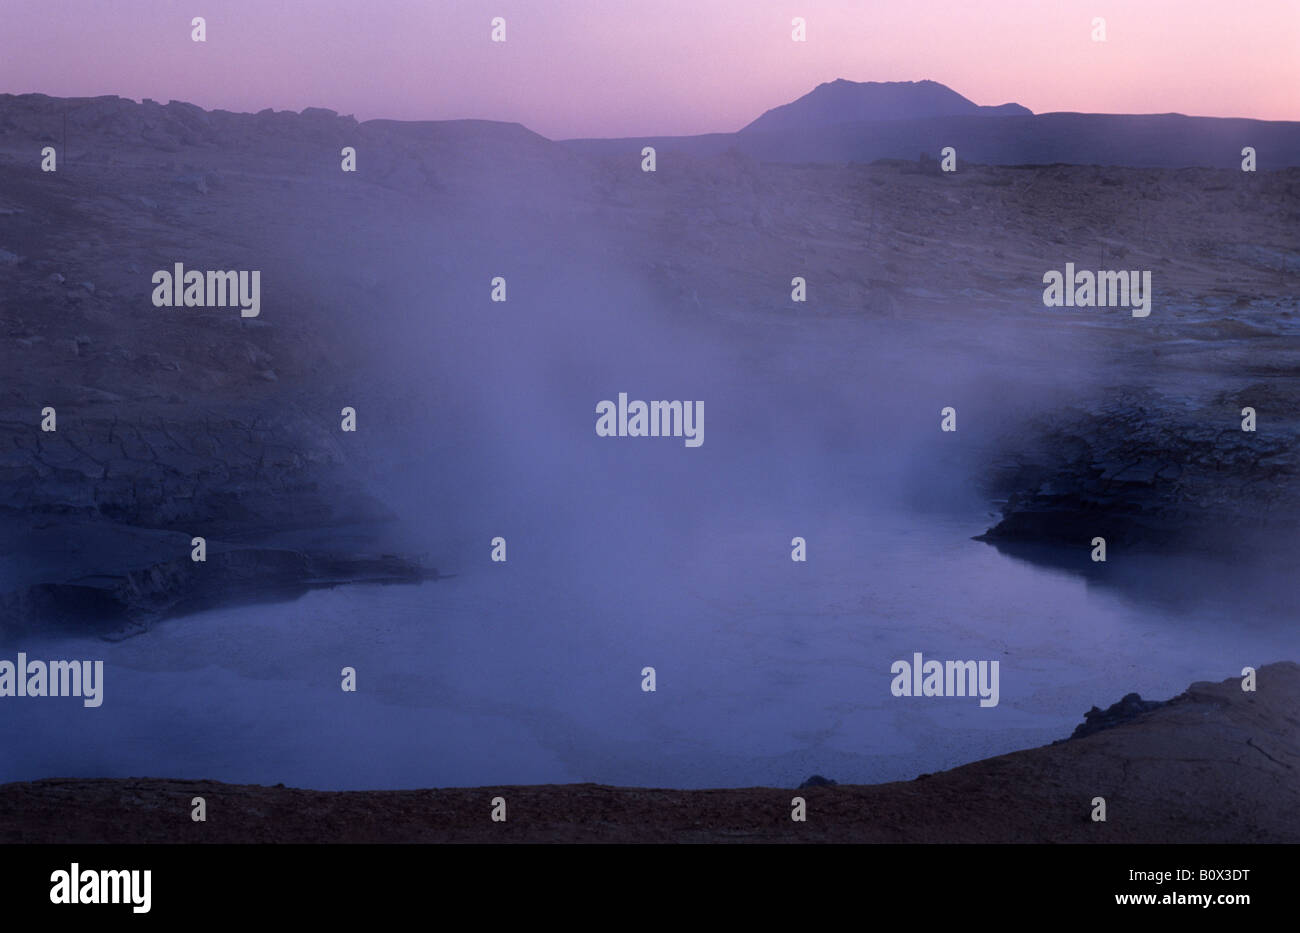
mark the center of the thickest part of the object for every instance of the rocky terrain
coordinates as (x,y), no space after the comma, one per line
(1212,765)
(174,423)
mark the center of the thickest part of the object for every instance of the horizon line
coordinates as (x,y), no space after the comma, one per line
(141,101)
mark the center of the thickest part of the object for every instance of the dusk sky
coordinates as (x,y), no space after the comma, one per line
(655,67)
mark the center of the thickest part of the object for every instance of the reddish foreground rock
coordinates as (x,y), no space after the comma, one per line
(1215,764)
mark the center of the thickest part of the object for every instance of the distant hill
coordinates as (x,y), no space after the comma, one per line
(847,121)
(844,101)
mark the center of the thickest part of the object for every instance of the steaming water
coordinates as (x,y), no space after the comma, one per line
(535,678)
(633,552)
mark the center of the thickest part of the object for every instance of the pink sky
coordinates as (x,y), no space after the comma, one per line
(654,67)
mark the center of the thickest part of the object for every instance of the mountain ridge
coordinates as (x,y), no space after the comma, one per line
(844,101)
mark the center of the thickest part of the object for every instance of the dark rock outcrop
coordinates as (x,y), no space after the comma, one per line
(816,781)
(1126,710)
(1151,470)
